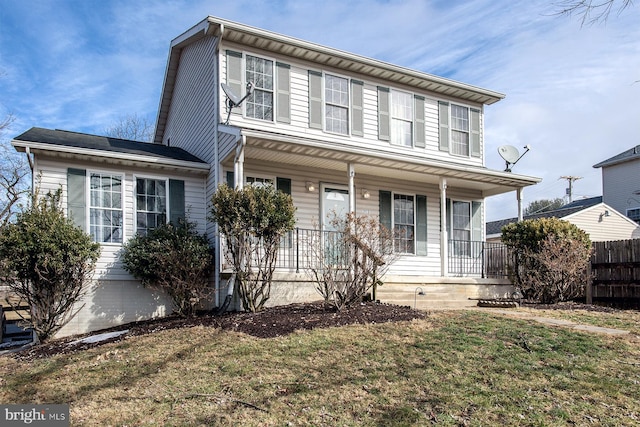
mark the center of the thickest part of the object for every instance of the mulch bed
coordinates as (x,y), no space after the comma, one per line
(269,323)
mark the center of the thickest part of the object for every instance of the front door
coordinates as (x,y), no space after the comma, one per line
(335,205)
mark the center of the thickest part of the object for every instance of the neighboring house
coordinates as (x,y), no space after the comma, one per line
(337,131)
(620,184)
(599,220)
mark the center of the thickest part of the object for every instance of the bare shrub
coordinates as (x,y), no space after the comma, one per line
(557,271)
(349,262)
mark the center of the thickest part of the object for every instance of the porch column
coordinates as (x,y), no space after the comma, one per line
(520,210)
(444,239)
(238,163)
(352,191)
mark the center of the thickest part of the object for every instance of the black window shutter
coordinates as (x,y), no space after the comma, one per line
(418,123)
(76,197)
(315,99)
(384,118)
(443,119)
(176,201)
(421,225)
(234,74)
(284,185)
(385,209)
(357,108)
(231,182)
(283,86)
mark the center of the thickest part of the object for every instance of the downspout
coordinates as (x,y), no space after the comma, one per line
(444,239)
(27,151)
(217,259)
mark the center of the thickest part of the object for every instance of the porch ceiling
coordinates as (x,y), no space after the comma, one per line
(277,148)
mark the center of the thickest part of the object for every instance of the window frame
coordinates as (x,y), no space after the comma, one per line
(453,130)
(326,103)
(636,218)
(260,180)
(273,90)
(89,205)
(135,200)
(393,222)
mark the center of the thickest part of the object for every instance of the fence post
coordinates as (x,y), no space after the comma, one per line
(589,285)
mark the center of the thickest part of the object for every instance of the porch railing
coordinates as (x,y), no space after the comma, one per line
(475,258)
(299,248)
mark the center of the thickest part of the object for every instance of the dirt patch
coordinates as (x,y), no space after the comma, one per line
(568,306)
(271,322)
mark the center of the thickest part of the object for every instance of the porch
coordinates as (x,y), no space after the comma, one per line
(475,270)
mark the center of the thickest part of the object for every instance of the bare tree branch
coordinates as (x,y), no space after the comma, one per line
(591,11)
(132,127)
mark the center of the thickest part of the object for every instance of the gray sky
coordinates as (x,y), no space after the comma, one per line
(572,91)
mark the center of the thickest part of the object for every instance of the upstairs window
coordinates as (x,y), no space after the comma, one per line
(259,71)
(459,132)
(401,118)
(336,96)
(634,214)
(105,207)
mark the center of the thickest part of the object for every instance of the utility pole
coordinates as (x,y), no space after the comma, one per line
(570,189)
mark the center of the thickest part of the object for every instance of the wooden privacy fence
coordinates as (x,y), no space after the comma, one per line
(616,270)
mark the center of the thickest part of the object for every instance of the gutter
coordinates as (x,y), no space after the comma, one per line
(29,146)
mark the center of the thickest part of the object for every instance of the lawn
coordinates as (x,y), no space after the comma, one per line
(452,368)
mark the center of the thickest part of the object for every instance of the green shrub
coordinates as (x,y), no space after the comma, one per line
(176,260)
(48,261)
(551,258)
(253,221)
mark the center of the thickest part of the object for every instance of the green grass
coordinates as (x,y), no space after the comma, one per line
(454,368)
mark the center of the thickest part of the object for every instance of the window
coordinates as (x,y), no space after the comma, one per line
(259,71)
(634,214)
(401,118)
(403,224)
(336,96)
(459,130)
(105,208)
(151,204)
(259,181)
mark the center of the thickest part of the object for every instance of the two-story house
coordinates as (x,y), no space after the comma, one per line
(339,132)
(620,188)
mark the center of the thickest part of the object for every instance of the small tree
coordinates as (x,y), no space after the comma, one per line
(543,205)
(253,221)
(175,259)
(48,261)
(349,262)
(551,257)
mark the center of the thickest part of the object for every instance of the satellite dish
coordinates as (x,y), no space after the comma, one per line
(233,100)
(511,155)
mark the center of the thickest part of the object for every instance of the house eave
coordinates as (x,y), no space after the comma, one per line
(108,156)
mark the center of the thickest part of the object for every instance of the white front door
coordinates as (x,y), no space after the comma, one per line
(335,204)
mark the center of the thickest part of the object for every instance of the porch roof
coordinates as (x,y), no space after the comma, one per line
(335,155)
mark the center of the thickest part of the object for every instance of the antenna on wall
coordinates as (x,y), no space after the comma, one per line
(234,100)
(511,155)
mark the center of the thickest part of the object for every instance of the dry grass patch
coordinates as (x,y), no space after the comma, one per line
(454,368)
(628,320)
